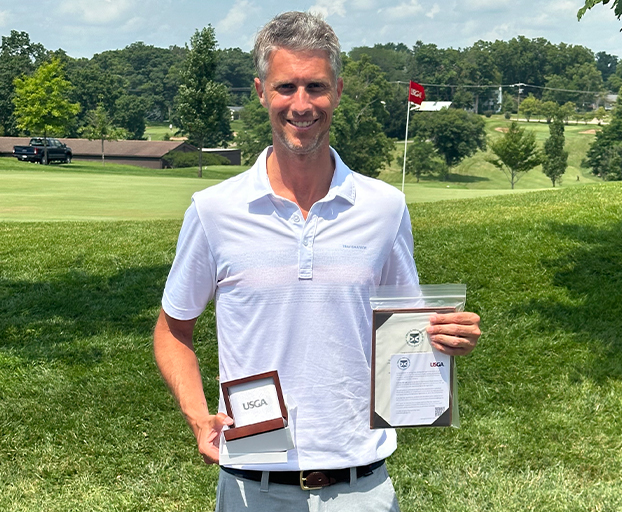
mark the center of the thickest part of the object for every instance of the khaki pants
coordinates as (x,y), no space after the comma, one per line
(373,493)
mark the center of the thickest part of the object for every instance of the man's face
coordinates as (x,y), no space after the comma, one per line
(300,95)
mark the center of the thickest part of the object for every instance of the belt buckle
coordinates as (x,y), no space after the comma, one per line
(304,486)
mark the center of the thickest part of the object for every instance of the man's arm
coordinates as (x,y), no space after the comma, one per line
(175,357)
(455,334)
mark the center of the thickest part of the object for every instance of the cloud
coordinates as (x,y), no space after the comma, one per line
(433,12)
(97,12)
(402,11)
(234,20)
(134,24)
(363,5)
(4,18)
(327,8)
(486,5)
(502,32)
(564,6)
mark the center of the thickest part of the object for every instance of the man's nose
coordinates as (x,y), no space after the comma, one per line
(301,104)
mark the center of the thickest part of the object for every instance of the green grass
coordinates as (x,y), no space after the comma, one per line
(87,424)
(88,190)
(156,131)
(475,173)
(237,125)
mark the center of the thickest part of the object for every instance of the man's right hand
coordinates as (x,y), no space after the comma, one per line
(174,354)
(208,437)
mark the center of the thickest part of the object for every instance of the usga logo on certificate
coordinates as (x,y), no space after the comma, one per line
(414,337)
(403,363)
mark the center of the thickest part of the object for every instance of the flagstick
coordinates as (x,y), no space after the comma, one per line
(405,144)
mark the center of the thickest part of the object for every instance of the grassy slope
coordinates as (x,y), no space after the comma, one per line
(35,195)
(86,423)
(89,191)
(156,131)
(476,173)
(72,192)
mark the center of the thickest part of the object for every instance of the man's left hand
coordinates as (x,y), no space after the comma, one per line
(455,334)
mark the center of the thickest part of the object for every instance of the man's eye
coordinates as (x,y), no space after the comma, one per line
(285,87)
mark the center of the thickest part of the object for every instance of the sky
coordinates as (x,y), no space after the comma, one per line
(85,27)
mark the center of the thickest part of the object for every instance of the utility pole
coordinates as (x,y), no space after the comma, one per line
(520,89)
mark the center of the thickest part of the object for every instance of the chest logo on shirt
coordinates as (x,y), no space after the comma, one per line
(414,337)
(255,404)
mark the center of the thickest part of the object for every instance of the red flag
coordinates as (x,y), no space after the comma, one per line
(416,93)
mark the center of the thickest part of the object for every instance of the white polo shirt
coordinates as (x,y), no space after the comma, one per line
(293,295)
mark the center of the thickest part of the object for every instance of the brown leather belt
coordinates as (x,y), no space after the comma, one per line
(308,480)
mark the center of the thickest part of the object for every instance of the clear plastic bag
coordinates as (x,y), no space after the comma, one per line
(400,340)
(423,296)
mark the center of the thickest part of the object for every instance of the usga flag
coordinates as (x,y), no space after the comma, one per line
(416,93)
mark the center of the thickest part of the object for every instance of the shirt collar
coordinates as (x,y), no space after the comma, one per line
(341,185)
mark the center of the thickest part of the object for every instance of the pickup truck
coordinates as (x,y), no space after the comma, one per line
(35,151)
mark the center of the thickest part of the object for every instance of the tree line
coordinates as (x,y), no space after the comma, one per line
(140,82)
(135,85)
(115,93)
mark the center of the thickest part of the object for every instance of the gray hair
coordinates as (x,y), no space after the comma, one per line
(296,31)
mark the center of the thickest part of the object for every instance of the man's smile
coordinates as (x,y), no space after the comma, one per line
(301,124)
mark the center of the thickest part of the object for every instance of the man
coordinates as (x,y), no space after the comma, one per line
(289,250)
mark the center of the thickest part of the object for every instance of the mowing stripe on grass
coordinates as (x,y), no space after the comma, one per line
(60,196)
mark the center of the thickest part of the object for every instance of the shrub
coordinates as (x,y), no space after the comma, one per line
(178,159)
(167,136)
(488,113)
(507,115)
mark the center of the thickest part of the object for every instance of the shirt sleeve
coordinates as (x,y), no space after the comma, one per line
(400,268)
(192,280)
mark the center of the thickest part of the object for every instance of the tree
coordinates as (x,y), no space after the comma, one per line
(391,58)
(235,69)
(588,116)
(92,86)
(567,110)
(129,113)
(100,127)
(599,114)
(615,5)
(18,56)
(357,132)
(462,99)
(606,64)
(530,106)
(549,110)
(605,153)
(455,134)
(41,104)
(516,153)
(202,111)
(555,158)
(147,72)
(508,103)
(422,158)
(358,138)
(256,133)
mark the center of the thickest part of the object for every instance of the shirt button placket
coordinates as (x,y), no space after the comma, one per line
(305,254)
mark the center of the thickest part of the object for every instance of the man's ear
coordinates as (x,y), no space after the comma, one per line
(260,92)
(339,90)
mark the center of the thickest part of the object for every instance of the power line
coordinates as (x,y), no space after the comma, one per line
(496,86)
